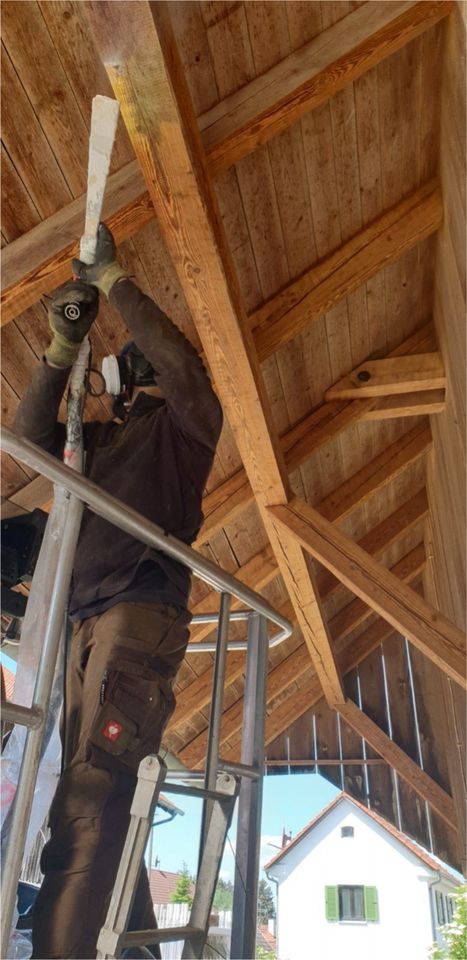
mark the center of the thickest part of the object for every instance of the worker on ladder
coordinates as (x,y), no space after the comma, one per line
(128,603)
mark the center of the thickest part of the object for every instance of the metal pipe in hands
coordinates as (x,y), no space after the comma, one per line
(132,522)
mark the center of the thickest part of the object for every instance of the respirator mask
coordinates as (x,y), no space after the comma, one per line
(123,373)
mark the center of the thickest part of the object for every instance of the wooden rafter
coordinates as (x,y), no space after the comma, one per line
(311,75)
(262,568)
(395,375)
(289,670)
(283,317)
(408,613)
(284,713)
(408,770)
(149,83)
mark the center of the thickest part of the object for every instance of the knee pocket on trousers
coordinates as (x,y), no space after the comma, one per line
(128,725)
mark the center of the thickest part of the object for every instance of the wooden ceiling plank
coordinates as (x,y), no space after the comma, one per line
(311,75)
(424,786)
(323,286)
(149,83)
(39,261)
(393,375)
(408,613)
(292,667)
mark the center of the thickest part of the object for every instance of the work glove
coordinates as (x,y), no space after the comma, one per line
(71,315)
(105,270)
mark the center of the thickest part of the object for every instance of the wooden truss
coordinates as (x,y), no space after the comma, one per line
(172,179)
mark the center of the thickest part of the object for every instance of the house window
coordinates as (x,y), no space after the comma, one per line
(450,908)
(351,906)
(346,831)
(440,911)
(352,903)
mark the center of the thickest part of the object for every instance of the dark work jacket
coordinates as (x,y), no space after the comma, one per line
(157,462)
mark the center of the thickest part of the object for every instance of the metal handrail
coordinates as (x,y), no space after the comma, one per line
(134,523)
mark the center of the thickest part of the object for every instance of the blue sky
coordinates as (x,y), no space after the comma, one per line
(289,802)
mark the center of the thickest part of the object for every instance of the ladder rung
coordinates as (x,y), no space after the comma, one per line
(139,938)
(200,792)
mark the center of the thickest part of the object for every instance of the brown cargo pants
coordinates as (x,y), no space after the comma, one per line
(118,700)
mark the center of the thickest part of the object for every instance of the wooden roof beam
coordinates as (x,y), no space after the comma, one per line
(439,639)
(295,665)
(391,376)
(260,570)
(379,244)
(138,49)
(262,567)
(426,788)
(310,76)
(39,261)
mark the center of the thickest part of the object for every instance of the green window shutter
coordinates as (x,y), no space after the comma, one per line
(332,903)
(371,904)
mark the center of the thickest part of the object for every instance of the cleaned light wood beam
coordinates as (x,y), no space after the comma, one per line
(408,770)
(148,80)
(262,568)
(295,665)
(257,572)
(310,76)
(425,403)
(385,240)
(408,613)
(39,261)
(393,375)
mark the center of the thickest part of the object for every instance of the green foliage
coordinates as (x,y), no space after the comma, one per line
(263,954)
(182,892)
(454,933)
(223,897)
(266,909)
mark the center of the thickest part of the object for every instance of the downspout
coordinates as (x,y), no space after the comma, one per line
(270,877)
(430,885)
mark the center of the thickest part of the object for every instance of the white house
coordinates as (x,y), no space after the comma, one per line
(351,885)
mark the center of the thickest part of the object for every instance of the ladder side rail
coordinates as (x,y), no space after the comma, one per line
(243,941)
(206,881)
(215,713)
(21,810)
(151,775)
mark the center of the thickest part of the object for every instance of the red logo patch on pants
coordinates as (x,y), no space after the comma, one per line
(112,730)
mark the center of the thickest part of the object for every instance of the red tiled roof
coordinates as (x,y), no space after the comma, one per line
(9,682)
(265,936)
(162,884)
(422,855)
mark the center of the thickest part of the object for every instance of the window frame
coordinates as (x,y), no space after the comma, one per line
(351,888)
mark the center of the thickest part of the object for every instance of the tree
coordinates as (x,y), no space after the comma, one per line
(223,897)
(183,890)
(266,909)
(454,933)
